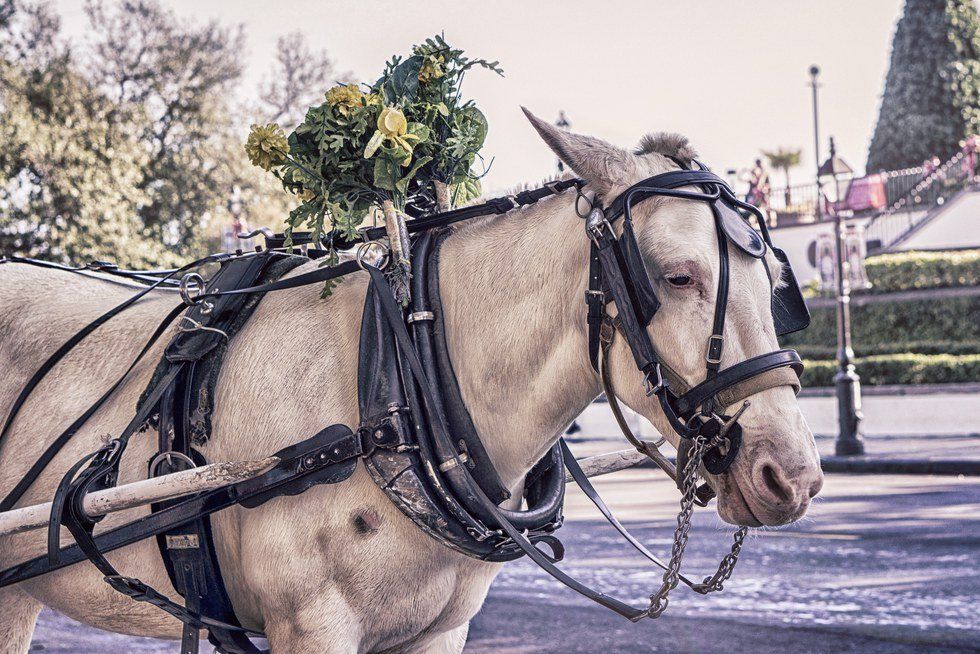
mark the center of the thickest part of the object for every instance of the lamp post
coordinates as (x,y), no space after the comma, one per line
(846,381)
(814,72)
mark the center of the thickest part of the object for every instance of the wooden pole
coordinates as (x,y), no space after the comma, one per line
(139,493)
(604,464)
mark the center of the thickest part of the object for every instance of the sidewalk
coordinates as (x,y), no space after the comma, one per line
(936,433)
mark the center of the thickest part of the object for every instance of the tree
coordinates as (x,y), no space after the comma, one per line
(68,175)
(127,144)
(784,159)
(931,99)
(175,82)
(298,80)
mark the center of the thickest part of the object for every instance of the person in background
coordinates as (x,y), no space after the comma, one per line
(758,186)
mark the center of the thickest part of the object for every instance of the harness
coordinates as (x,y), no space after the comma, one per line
(415,436)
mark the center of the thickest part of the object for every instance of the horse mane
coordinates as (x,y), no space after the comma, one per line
(668,144)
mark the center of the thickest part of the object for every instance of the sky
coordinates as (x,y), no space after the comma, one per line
(731,76)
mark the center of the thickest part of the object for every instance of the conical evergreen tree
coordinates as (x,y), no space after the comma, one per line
(932,91)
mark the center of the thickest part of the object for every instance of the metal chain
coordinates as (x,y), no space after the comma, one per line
(689,484)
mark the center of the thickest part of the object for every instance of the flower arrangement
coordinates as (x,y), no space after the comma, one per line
(406,144)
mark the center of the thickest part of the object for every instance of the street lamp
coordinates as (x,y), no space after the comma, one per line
(814,72)
(837,176)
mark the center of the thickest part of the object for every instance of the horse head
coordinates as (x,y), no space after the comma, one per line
(777,470)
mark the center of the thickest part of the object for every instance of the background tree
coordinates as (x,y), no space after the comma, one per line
(783,159)
(127,144)
(298,79)
(931,99)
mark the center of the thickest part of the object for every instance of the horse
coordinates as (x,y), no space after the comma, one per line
(339,569)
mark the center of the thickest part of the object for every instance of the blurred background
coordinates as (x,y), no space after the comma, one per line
(852,124)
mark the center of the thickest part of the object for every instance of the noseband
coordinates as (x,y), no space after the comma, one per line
(619,276)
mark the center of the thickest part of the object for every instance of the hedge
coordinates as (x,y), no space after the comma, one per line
(900,369)
(906,271)
(895,324)
(808,351)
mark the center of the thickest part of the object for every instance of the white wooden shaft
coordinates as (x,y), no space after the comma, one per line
(604,464)
(139,493)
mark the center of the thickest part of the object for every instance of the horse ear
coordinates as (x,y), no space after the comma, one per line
(602,164)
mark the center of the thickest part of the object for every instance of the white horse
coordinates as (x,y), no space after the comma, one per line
(339,569)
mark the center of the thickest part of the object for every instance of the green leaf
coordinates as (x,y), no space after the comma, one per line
(403,83)
(478,126)
(402,185)
(386,173)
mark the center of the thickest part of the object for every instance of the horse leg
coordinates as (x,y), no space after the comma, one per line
(19,615)
(451,642)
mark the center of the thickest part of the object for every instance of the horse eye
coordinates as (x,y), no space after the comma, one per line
(679,280)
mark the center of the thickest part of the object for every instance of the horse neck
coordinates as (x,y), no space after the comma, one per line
(513,294)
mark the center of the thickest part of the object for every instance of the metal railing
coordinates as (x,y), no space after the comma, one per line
(910,209)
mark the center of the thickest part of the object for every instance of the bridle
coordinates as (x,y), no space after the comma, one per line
(619,276)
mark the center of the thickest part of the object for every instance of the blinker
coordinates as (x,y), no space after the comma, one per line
(738,230)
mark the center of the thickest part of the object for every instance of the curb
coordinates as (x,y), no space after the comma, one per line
(865,465)
(882,466)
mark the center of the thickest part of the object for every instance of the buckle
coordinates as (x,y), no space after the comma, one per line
(653,388)
(715,344)
(595,223)
(504,204)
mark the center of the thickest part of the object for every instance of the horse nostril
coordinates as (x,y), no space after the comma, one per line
(775,484)
(816,486)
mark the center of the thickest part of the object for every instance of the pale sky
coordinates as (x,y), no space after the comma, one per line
(732,76)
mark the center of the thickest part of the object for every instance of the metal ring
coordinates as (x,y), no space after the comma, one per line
(169,456)
(189,282)
(362,250)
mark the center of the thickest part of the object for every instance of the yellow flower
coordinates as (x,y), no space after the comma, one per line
(266,146)
(431,68)
(393,128)
(344,98)
(372,99)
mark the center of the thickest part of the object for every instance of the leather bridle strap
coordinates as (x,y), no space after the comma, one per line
(737,382)
(704,492)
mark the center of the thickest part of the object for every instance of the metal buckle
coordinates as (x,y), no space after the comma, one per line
(594,224)
(652,388)
(716,359)
(421,315)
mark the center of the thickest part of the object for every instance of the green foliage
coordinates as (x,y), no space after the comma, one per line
(885,324)
(783,159)
(905,271)
(931,99)
(124,146)
(388,142)
(808,351)
(900,369)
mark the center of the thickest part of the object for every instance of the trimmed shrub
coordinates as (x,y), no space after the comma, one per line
(808,351)
(900,369)
(906,271)
(895,324)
